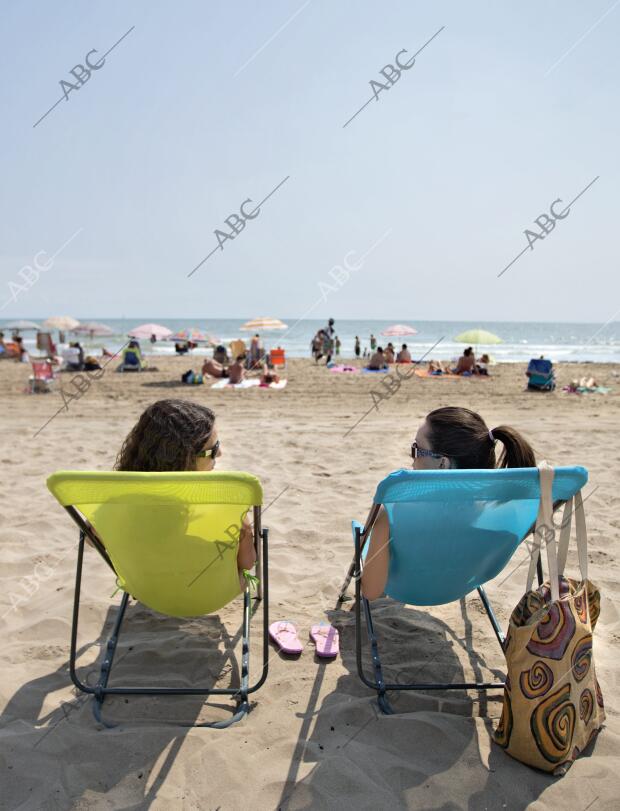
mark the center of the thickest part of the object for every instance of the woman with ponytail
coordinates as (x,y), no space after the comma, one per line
(449,438)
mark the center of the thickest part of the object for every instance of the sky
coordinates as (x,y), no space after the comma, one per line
(410,211)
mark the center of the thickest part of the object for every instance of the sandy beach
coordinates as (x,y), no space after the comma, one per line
(314,738)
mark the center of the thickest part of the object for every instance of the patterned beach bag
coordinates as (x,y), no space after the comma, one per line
(553,704)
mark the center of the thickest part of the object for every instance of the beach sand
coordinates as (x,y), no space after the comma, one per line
(314,739)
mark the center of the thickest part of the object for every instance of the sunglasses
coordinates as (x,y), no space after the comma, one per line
(209,453)
(417,452)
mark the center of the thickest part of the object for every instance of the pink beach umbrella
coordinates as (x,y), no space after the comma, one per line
(146,330)
(398,330)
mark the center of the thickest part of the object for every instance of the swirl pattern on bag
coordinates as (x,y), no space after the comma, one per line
(581,658)
(586,705)
(599,695)
(594,602)
(553,723)
(537,681)
(581,607)
(504,728)
(553,633)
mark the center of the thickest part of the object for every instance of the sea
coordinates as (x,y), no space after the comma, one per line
(520,341)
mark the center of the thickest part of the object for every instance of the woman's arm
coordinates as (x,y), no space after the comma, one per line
(375,571)
(246,554)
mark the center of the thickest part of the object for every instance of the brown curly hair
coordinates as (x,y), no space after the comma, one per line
(167,437)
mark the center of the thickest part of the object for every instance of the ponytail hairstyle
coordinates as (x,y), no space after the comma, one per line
(167,437)
(463,436)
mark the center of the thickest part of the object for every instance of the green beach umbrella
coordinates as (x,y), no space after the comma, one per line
(478,336)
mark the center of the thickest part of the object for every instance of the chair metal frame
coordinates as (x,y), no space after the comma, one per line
(101,689)
(379,684)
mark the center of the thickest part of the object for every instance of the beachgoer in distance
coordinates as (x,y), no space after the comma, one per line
(466,363)
(358,346)
(236,370)
(377,361)
(329,340)
(213,368)
(22,354)
(337,344)
(176,435)
(255,351)
(389,353)
(439,367)
(153,338)
(268,376)
(449,438)
(404,356)
(317,346)
(373,342)
(482,366)
(220,355)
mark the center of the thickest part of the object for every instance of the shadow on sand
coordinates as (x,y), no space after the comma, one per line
(434,753)
(153,649)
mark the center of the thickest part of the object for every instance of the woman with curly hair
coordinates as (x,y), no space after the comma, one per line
(449,438)
(176,435)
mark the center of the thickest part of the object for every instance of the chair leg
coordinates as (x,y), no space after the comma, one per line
(379,684)
(74,625)
(491,615)
(382,699)
(106,665)
(258,569)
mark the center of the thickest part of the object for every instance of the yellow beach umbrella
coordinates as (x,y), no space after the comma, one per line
(478,336)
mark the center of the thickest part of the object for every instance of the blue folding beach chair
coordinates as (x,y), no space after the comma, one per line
(540,375)
(451,531)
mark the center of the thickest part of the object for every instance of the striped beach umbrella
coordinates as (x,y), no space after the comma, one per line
(192,335)
(21,325)
(64,323)
(264,324)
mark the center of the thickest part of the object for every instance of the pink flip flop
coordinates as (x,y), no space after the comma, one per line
(326,639)
(284,634)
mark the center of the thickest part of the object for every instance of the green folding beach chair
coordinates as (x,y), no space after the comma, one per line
(171,540)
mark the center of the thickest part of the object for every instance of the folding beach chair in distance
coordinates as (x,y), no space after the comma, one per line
(277,358)
(171,540)
(131,361)
(451,531)
(42,376)
(540,375)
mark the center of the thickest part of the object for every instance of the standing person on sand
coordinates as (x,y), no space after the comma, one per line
(373,342)
(358,346)
(328,340)
(338,345)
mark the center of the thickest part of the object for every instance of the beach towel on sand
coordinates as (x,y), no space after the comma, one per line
(448,375)
(341,368)
(252,383)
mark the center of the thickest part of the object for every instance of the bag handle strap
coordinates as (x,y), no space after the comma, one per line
(575,505)
(545,531)
(566,524)
(582,535)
